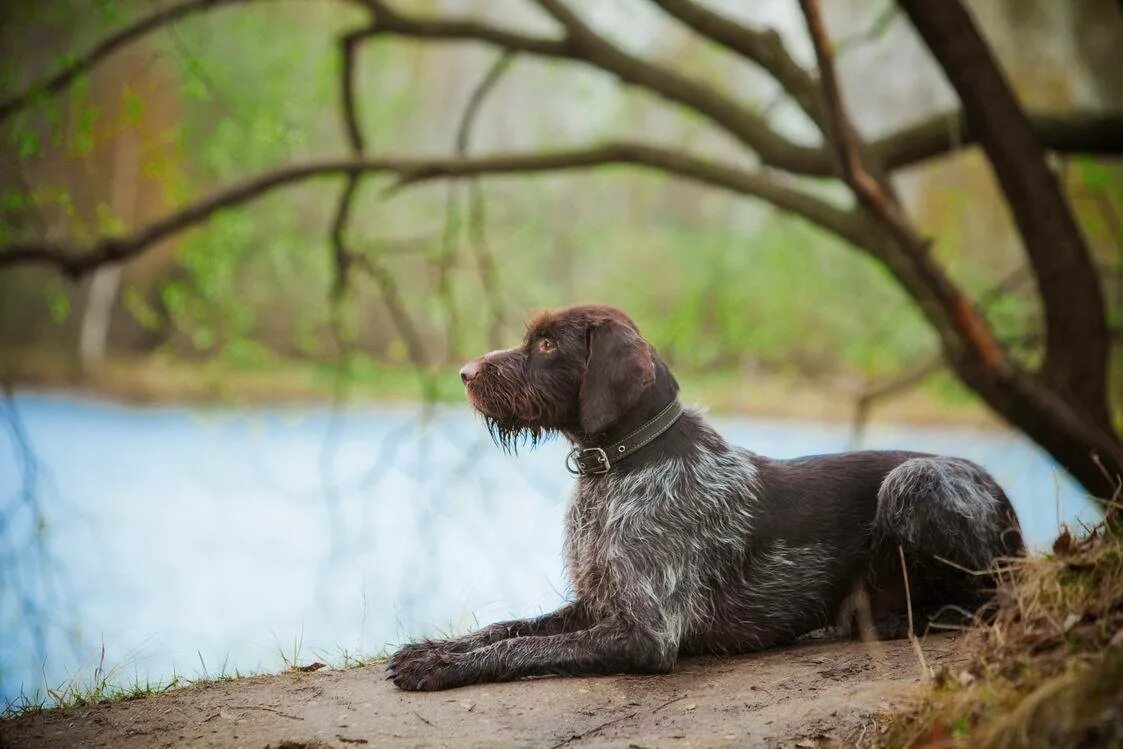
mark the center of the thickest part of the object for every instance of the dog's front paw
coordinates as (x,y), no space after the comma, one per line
(414,649)
(417,668)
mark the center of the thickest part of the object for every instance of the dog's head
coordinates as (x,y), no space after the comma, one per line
(578,371)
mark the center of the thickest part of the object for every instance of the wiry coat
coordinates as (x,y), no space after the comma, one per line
(692,545)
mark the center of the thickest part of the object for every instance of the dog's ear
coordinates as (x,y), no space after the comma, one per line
(619,367)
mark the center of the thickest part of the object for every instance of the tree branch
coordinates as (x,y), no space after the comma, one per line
(1057,423)
(1076,340)
(77,261)
(961,326)
(55,83)
(1081,132)
(348,46)
(765,47)
(476,209)
(343,254)
(1094,133)
(582,44)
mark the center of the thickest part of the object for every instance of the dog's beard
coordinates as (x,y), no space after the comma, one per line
(510,435)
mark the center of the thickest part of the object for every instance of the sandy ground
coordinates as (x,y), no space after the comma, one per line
(808,695)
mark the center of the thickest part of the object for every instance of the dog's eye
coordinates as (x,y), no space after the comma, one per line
(545,345)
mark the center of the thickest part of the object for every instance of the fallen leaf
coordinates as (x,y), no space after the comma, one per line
(1064,544)
(312,667)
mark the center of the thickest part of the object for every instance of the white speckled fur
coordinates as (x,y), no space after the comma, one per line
(952,494)
(640,545)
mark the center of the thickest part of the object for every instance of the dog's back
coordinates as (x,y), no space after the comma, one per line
(829,528)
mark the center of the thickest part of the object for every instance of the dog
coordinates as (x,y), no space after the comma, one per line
(677,543)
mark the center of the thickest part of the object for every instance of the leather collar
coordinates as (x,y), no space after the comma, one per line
(585,461)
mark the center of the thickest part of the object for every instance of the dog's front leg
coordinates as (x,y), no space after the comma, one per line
(607,647)
(569,618)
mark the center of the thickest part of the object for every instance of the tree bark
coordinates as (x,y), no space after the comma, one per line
(1076,338)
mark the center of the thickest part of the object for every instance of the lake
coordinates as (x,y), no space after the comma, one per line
(191,541)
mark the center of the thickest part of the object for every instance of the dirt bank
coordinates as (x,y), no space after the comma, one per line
(808,695)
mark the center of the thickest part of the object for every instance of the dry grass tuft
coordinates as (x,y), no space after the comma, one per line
(1049,668)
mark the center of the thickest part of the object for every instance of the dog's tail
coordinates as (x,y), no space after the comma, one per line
(948,508)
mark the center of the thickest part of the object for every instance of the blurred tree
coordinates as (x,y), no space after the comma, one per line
(1061,401)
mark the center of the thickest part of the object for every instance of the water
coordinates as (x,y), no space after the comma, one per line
(187,541)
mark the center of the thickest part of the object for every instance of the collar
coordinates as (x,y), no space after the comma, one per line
(584,461)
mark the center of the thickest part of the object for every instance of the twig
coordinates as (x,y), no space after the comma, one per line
(267,709)
(965,319)
(449,245)
(906,381)
(764,47)
(917,375)
(925,671)
(55,83)
(594,730)
(657,708)
(477,208)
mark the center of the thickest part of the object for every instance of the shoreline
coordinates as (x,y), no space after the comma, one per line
(161,381)
(810,693)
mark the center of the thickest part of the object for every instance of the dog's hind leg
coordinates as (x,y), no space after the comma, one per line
(948,508)
(952,522)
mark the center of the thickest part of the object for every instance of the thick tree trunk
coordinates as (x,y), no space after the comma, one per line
(1091,454)
(1064,407)
(1076,339)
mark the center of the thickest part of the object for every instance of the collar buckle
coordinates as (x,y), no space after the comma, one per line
(587,461)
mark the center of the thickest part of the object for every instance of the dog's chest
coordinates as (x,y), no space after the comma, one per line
(584,541)
(607,519)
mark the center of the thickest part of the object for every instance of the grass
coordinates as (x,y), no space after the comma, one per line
(1049,667)
(105,682)
(108,683)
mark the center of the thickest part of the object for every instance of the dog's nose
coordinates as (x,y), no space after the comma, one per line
(469,371)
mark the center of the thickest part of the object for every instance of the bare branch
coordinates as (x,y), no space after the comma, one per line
(344,255)
(914,376)
(968,332)
(475,101)
(477,210)
(1089,133)
(403,323)
(77,261)
(582,44)
(1093,133)
(1076,350)
(84,63)
(899,384)
(1080,133)
(765,47)
(349,45)
(486,266)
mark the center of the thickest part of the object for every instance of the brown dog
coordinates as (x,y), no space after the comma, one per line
(678,543)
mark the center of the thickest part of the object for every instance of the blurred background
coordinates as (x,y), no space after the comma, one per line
(214,460)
